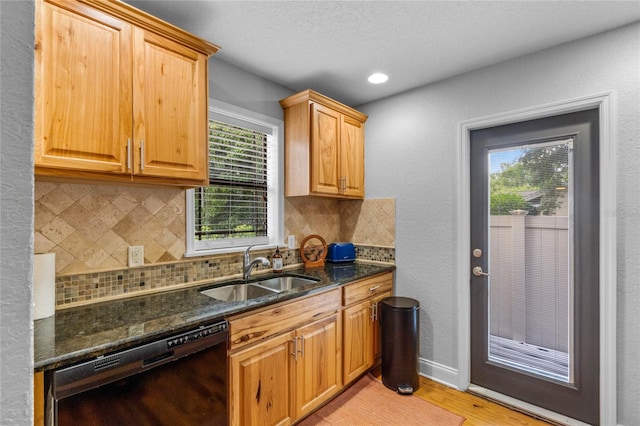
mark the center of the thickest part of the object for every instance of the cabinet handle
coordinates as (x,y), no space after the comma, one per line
(141,154)
(302,345)
(295,349)
(372,316)
(129,154)
(374,288)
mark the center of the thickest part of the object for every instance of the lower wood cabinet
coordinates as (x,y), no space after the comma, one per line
(288,359)
(318,367)
(292,369)
(361,324)
(261,383)
(38,398)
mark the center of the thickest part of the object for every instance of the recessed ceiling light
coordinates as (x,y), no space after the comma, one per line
(378,78)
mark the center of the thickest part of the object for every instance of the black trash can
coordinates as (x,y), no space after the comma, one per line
(399,321)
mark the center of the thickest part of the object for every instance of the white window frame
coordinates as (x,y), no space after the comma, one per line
(219,110)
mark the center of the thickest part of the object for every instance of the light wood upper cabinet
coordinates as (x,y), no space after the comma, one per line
(120,95)
(170,109)
(325,150)
(324,147)
(84,77)
(352,157)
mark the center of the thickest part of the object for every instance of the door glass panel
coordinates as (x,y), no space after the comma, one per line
(530,259)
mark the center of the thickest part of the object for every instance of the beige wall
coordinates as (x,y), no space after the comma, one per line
(89,227)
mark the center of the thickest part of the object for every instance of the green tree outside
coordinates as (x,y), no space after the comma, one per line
(544,169)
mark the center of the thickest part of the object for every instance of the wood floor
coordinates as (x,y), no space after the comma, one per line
(476,410)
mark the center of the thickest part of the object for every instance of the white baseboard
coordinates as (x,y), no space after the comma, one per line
(439,373)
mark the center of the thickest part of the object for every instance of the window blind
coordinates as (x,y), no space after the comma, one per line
(234,205)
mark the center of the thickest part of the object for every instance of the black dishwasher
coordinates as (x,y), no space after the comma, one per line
(180,380)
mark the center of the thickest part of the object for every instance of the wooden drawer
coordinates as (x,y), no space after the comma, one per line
(364,289)
(256,326)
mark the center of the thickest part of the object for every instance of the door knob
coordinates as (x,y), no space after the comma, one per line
(477,271)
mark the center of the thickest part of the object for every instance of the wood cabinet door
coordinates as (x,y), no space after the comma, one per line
(318,366)
(260,383)
(325,142)
(170,109)
(357,340)
(83,88)
(352,157)
(376,338)
(38,398)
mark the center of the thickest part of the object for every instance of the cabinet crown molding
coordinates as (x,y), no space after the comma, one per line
(311,95)
(149,22)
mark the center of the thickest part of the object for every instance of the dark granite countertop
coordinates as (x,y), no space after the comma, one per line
(77,334)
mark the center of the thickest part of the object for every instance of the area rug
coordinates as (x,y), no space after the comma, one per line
(369,402)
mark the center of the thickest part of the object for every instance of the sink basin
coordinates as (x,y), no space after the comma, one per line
(246,291)
(285,283)
(237,292)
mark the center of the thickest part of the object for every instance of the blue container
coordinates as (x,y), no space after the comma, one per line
(341,252)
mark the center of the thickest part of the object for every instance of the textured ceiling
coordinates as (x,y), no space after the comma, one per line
(332,46)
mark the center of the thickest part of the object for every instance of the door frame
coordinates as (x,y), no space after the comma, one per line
(607,233)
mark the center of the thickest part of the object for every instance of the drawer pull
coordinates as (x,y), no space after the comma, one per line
(374,288)
(129,154)
(141,154)
(374,312)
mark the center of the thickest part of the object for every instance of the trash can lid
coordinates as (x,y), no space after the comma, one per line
(401,302)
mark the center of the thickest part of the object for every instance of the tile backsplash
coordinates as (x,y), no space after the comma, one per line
(89,227)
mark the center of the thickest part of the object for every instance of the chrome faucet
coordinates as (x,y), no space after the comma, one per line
(248,265)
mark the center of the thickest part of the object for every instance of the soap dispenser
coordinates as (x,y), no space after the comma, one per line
(277,261)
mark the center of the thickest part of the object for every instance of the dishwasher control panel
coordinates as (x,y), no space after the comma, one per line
(193,335)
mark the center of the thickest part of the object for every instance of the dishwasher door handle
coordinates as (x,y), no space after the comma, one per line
(160,359)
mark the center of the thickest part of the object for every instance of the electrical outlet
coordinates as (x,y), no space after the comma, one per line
(136,329)
(136,255)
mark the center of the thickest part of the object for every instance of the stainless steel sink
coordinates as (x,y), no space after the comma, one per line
(284,283)
(237,292)
(246,291)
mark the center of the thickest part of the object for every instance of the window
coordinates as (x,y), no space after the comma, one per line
(242,204)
